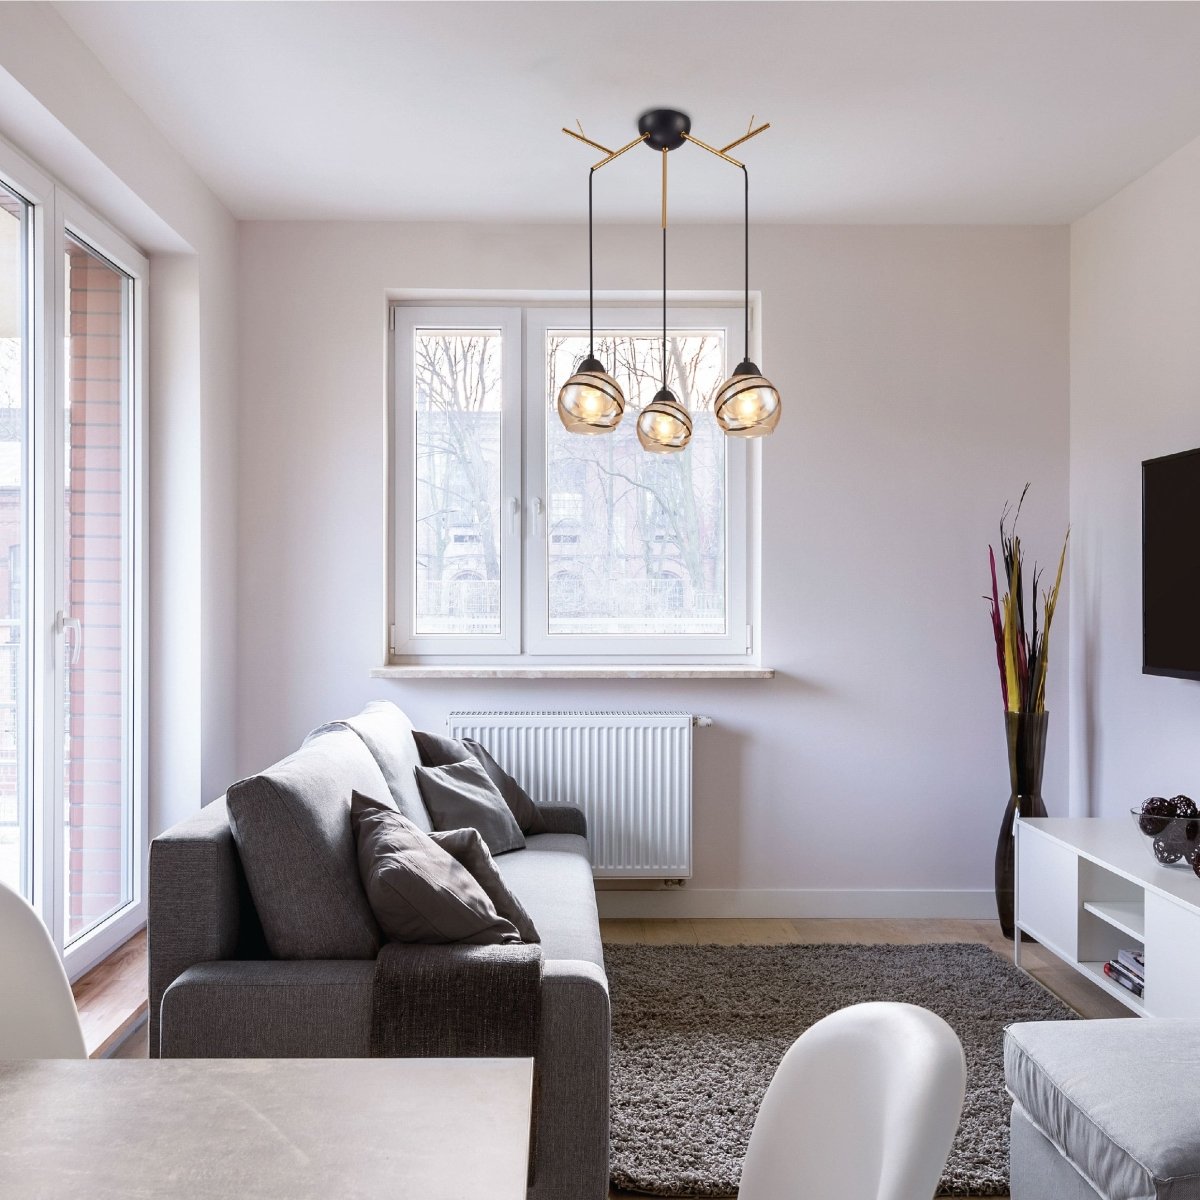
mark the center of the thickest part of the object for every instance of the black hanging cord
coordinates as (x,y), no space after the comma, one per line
(746,306)
(591,293)
(664,341)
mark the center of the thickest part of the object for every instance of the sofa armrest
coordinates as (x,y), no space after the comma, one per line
(194,902)
(563,818)
(316,1009)
(254,1009)
(570,1138)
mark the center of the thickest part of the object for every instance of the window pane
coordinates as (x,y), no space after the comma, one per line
(637,540)
(15,830)
(458,395)
(99,803)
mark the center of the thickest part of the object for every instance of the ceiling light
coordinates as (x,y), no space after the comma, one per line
(747,405)
(664,425)
(591,401)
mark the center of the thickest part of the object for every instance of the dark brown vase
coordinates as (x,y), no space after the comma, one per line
(1026,758)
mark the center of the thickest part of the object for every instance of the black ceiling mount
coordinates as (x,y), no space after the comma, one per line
(664,128)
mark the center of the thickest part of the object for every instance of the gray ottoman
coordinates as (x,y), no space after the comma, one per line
(1104,1110)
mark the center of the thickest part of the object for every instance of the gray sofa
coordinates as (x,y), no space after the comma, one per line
(1104,1110)
(215,990)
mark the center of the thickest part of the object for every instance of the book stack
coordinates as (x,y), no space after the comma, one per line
(1128,969)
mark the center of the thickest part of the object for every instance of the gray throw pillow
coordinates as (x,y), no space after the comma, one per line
(437,751)
(469,849)
(417,890)
(291,824)
(460,795)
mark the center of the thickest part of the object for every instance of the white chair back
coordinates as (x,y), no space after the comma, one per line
(863,1106)
(38,1018)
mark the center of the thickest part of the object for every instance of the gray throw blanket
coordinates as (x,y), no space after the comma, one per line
(456,1001)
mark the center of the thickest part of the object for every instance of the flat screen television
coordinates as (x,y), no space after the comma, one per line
(1171,565)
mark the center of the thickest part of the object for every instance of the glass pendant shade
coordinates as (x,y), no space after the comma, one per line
(591,401)
(664,425)
(746,404)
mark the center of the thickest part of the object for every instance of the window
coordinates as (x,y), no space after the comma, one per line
(514,537)
(96,577)
(16,231)
(462,372)
(72,833)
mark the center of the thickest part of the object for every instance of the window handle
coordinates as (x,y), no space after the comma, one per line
(71,628)
(514,514)
(539,514)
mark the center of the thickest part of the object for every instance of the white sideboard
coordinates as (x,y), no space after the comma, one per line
(1088,887)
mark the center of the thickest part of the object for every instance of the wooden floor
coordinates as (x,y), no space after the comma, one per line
(1071,987)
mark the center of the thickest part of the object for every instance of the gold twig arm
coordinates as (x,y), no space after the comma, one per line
(712,150)
(746,137)
(664,188)
(637,141)
(580,138)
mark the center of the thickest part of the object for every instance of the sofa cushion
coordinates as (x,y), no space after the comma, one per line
(1117,1098)
(438,751)
(388,734)
(418,891)
(461,795)
(291,824)
(553,880)
(468,848)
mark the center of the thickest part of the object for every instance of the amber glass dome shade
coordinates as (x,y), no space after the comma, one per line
(664,425)
(591,401)
(747,404)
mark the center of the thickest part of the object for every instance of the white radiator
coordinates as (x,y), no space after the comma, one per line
(630,772)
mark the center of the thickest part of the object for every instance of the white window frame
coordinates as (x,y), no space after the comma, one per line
(407,640)
(37,190)
(525,640)
(55,213)
(540,643)
(74,218)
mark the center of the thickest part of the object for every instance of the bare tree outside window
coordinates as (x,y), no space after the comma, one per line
(458,394)
(649,555)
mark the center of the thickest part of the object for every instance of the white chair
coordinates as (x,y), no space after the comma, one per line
(38,1018)
(863,1106)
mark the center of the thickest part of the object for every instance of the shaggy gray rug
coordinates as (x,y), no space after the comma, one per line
(699,1030)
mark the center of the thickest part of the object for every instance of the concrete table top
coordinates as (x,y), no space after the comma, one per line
(266,1129)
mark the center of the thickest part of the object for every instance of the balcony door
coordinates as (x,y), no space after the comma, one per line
(72,828)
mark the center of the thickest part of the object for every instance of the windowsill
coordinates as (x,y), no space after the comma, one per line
(560,671)
(111,997)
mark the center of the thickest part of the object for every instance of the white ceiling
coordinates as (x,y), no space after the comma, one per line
(880,112)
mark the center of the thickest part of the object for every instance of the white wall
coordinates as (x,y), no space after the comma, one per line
(925,375)
(924,372)
(64,111)
(1135,394)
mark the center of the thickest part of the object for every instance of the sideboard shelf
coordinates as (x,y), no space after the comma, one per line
(1095,972)
(1129,916)
(1086,888)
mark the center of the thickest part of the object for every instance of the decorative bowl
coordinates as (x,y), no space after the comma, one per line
(1173,840)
